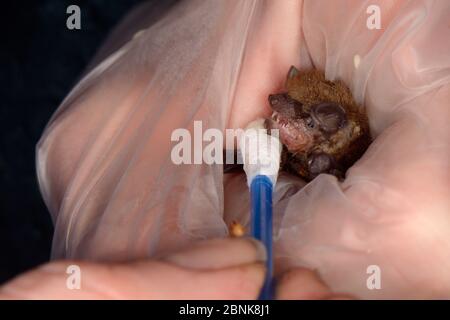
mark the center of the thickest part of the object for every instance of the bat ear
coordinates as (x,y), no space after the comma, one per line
(329,116)
(292,73)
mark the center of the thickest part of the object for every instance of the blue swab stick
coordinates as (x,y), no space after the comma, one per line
(261,154)
(261,225)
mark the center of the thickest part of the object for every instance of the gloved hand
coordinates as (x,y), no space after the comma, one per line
(104,160)
(392,211)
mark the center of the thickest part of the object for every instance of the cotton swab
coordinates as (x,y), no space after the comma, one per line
(261,154)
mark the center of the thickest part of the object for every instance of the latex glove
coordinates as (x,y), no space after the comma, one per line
(214,269)
(393,208)
(392,211)
(104,161)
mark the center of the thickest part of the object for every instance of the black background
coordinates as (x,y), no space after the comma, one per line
(40,61)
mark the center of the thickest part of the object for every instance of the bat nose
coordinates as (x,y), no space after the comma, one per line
(274,99)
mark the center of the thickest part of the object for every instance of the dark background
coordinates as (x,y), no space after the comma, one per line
(40,61)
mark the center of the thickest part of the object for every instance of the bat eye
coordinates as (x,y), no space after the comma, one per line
(329,116)
(319,163)
(309,121)
(274,99)
(279,102)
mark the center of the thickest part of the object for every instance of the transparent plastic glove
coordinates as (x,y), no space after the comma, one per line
(393,208)
(213,269)
(392,213)
(104,160)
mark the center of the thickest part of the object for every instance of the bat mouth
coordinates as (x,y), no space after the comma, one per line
(293,134)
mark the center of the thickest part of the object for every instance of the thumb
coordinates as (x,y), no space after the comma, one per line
(235,271)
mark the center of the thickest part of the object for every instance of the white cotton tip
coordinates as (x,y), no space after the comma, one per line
(261,152)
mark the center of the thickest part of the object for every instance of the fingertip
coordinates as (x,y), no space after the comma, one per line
(242,282)
(219,253)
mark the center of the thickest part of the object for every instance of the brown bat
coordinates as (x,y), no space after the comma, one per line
(321,127)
